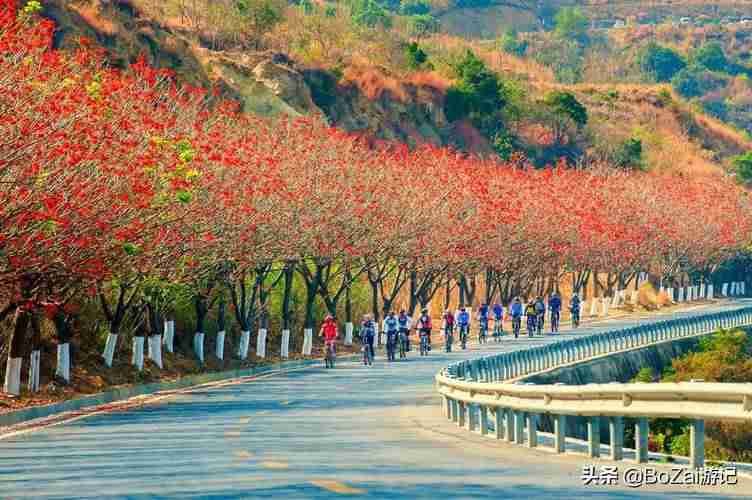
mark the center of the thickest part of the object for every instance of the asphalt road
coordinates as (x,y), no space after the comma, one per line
(373,432)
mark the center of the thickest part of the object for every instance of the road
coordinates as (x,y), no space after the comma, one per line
(371,432)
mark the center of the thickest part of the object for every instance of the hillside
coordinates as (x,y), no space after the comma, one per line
(388,98)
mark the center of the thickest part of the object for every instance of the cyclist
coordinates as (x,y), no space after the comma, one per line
(482,323)
(540,314)
(463,323)
(531,313)
(574,308)
(367,336)
(329,333)
(554,306)
(448,329)
(390,329)
(424,327)
(516,311)
(498,312)
(404,332)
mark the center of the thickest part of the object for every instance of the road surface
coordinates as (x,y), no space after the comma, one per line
(373,432)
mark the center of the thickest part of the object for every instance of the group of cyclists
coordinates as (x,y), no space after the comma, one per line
(397,327)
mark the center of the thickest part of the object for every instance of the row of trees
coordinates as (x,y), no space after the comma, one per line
(119,187)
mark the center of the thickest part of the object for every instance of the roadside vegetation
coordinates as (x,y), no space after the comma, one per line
(725,356)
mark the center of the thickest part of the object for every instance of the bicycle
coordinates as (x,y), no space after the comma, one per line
(424,344)
(498,329)
(403,343)
(540,319)
(531,325)
(367,355)
(391,345)
(575,318)
(554,321)
(331,355)
(516,325)
(463,335)
(448,338)
(483,333)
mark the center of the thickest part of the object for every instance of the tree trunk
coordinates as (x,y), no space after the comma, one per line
(15,354)
(64,334)
(289,275)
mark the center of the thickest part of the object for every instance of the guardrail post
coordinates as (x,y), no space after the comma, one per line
(642,431)
(455,411)
(472,420)
(461,413)
(697,444)
(509,427)
(447,407)
(519,427)
(499,424)
(616,437)
(483,420)
(532,430)
(594,437)
(560,433)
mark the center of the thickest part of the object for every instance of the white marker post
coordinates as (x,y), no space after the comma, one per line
(137,358)
(307,341)
(284,349)
(155,350)
(349,333)
(34,371)
(219,348)
(169,336)
(261,343)
(724,290)
(109,349)
(13,376)
(710,291)
(245,339)
(62,369)
(198,346)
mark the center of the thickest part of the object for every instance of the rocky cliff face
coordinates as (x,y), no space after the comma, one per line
(264,83)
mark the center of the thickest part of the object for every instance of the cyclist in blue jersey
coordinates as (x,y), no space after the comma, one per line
(463,323)
(515,309)
(391,329)
(482,323)
(404,323)
(554,306)
(498,313)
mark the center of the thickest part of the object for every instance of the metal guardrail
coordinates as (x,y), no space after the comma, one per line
(472,389)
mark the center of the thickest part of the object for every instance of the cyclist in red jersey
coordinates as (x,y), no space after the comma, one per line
(329,331)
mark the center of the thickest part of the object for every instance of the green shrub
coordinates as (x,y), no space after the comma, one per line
(566,104)
(477,92)
(570,23)
(710,56)
(743,167)
(645,374)
(511,44)
(695,81)
(629,154)
(416,57)
(661,63)
(679,445)
(414,7)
